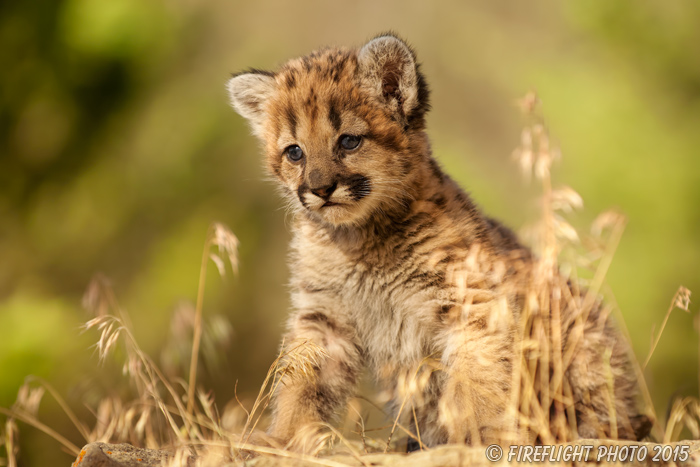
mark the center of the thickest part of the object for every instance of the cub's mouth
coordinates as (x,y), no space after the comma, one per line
(345,191)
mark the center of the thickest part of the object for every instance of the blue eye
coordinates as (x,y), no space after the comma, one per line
(294,153)
(350,142)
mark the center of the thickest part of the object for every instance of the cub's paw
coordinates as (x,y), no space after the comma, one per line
(259,439)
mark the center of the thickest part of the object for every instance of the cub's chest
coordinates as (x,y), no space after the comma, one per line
(391,304)
(369,279)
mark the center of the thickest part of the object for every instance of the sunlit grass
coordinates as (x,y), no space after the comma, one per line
(171,412)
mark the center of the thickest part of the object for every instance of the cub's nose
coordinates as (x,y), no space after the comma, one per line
(324,192)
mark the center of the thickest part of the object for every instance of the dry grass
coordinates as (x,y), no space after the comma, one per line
(171,413)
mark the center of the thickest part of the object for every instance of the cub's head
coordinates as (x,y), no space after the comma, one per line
(340,127)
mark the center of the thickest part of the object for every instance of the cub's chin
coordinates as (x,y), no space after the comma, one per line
(351,214)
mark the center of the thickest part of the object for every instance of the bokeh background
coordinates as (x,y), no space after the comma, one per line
(118,149)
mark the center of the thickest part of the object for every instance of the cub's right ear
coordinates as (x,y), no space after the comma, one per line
(249,92)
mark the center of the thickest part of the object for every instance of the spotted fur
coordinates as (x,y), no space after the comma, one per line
(392,263)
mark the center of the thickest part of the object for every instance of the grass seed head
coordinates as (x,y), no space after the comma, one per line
(227,243)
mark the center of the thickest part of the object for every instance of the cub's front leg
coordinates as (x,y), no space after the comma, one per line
(478,360)
(301,399)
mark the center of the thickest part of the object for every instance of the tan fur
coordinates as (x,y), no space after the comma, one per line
(401,267)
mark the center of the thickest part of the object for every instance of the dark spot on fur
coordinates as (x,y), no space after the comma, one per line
(446,259)
(439,201)
(468,208)
(311,105)
(311,99)
(321,399)
(348,372)
(300,193)
(342,60)
(291,80)
(358,185)
(641,424)
(319,317)
(360,351)
(436,170)
(406,166)
(311,288)
(334,115)
(292,119)
(388,140)
(412,445)
(424,239)
(325,400)
(418,277)
(306,61)
(478,323)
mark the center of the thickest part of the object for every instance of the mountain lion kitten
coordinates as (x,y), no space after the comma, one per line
(393,265)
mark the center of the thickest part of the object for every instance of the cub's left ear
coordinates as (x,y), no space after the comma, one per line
(248,93)
(388,70)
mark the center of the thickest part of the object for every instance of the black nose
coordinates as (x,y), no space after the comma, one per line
(324,192)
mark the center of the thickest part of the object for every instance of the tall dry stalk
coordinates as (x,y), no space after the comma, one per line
(540,403)
(220,236)
(542,398)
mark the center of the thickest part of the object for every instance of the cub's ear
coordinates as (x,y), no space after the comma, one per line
(388,70)
(248,93)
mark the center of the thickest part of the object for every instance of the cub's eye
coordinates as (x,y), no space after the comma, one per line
(350,142)
(294,153)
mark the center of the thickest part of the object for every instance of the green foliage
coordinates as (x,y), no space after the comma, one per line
(36,338)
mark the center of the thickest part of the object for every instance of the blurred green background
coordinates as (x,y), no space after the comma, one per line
(118,148)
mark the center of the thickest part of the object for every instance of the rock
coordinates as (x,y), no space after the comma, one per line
(121,455)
